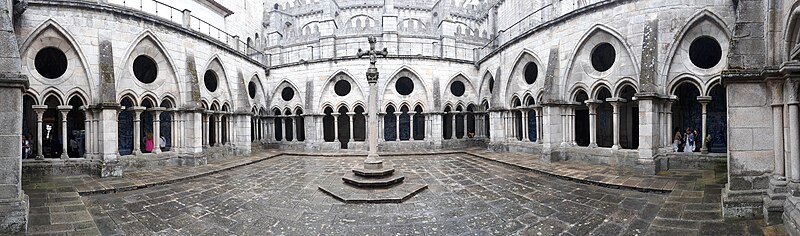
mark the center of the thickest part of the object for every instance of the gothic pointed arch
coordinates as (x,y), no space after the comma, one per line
(286,94)
(418,88)
(526,72)
(700,49)
(459,88)
(340,87)
(63,59)
(147,66)
(792,33)
(214,76)
(602,53)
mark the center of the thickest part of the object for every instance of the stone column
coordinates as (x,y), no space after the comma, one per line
(39,109)
(64,141)
(335,127)
(137,132)
(592,104)
(350,115)
(668,122)
(524,112)
(290,124)
(564,129)
(157,128)
(87,131)
(776,89)
(794,134)
(465,116)
(704,100)
(411,125)
(218,129)
(206,128)
(616,103)
(571,125)
(397,125)
(294,128)
(454,117)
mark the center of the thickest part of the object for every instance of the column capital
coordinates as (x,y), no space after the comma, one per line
(137,109)
(397,113)
(616,100)
(158,110)
(350,113)
(39,108)
(64,108)
(411,113)
(704,99)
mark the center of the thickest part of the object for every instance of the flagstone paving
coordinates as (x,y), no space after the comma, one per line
(467,195)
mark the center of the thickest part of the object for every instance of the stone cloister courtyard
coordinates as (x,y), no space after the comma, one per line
(469,193)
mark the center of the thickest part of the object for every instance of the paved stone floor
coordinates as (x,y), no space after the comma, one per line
(467,195)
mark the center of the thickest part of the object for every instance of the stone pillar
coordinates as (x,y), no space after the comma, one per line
(616,103)
(39,109)
(206,126)
(14,203)
(290,124)
(87,131)
(539,126)
(465,116)
(397,125)
(592,104)
(524,112)
(411,125)
(64,141)
(335,127)
(453,120)
(295,128)
(794,134)
(157,128)
(571,125)
(649,128)
(776,89)
(218,129)
(350,115)
(668,126)
(564,129)
(704,100)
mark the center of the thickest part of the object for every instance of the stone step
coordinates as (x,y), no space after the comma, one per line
(369,173)
(372,182)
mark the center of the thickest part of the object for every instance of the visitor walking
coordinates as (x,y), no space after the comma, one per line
(697,141)
(148,142)
(676,140)
(689,137)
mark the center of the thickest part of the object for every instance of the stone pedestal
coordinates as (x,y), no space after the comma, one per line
(774,201)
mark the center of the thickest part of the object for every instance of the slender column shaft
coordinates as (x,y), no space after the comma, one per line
(411,125)
(380,125)
(283,130)
(397,125)
(777,129)
(616,126)
(87,132)
(465,116)
(137,133)
(64,141)
(540,125)
(39,109)
(703,146)
(592,125)
(336,127)
(157,132)
(525,126)
(454,117)
(571,125)
(350,115)
(794,134)
(292,125)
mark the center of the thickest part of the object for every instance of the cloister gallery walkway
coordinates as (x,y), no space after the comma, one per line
(471,191)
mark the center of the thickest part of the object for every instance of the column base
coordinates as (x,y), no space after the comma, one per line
(592,145)
(704,150)
(137,152)
(616,147)
(774,200)
(40,157)
(14,215)
(64,156)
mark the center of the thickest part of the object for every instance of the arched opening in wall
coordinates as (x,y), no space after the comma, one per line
(145,69)
(687,115)
(390,124)
(146,126)
(278,125)
(359,125)
(327,125)
(419,123)
(76,129)
(459,116)
(344,126)
(51,132)
(342,87)
(717,120)
(629,119)
(405,123)
(487,128)
(605,119)
(165,126)
(531,120)
(210,80)
(288,121)
(300,125)
(470,121)
(287,94)
(251,89)
(531,72)
(125,127)
(404,86)
(457,88)
(491,85)
(447,124)
(582,119)
(29,126)
(517,119)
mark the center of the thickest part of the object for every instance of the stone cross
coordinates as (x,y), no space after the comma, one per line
(372,72)
(373,161)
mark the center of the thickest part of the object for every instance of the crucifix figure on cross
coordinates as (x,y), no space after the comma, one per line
(372,72)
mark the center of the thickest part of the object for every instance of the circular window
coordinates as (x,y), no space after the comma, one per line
(287,94)
(50,62)
(531,72)
(491,85)
(145,69)
(603,57)
(404,86)
(457,88)
(342,88)
(251,89)
(210,79)
(705,52)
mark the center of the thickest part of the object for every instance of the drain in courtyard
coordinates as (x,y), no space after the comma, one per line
(380,185)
